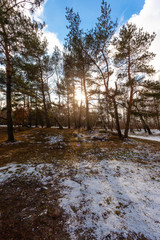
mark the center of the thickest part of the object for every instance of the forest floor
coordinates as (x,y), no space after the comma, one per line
(61,185)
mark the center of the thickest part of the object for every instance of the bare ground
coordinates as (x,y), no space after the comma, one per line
(30,204)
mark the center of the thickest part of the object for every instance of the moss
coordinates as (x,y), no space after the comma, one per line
(102,131)
(117,212)
(108,200)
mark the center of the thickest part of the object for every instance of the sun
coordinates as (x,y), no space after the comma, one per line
(79,96)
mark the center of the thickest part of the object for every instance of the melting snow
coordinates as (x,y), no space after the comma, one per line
(112,197)
(142,135)
(54,139)
(149,137)
(43,172)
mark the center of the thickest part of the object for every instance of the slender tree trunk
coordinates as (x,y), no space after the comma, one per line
(103,122)
(80,108)
(43,97)
(146,127)
(117,118)
(74,112)
(29,113)
(59,93)
(49,97)
(128,117)
(157,114)
(68,110)
(87,104)
(8,96)
(112,97)
(58,123)
(24,102)
(130,100)
(36,122)
(45,108)
(80,115)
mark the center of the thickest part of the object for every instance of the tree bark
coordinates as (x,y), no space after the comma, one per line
(117,118)
(8,96)
(8,88)
(146,127)
(58,123)
(48,125)
(68,110)
(87,104)
(130,99)
(74,112)
(36,114)
(80,108)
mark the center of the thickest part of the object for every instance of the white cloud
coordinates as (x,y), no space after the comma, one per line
(51,37)
(149,19)
(52,41)
(39,13)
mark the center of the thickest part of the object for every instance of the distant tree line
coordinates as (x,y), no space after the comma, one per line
(111,70)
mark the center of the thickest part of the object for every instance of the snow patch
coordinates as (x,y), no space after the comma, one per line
(149,137)
(112,197)
(54,139)
(42,172)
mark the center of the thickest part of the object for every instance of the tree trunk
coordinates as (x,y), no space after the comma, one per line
(87,104)
(58,123)
(74,112)
(117,118)
(43,97)
(128,119)
(130,99)
(29,112)
(146,127)
(36,120)
(80,109)
(45,110)
(8,96)
(80,114)
(68,110)
(157,114)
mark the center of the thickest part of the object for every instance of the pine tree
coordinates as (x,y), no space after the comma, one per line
(132,60)
(149,102)
(76,45)
(15,32)
(98,42)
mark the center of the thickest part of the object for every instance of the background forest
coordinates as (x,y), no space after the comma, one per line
(102,78)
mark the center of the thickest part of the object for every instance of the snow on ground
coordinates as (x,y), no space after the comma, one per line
(142,135)
(112,197)
(11,143)
(42,172)
(54,139)
(103,198)
(149,137)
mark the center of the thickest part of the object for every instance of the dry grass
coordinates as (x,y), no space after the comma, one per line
(31,146)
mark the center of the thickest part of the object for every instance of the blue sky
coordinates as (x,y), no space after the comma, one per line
(144,13)
(89,10)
